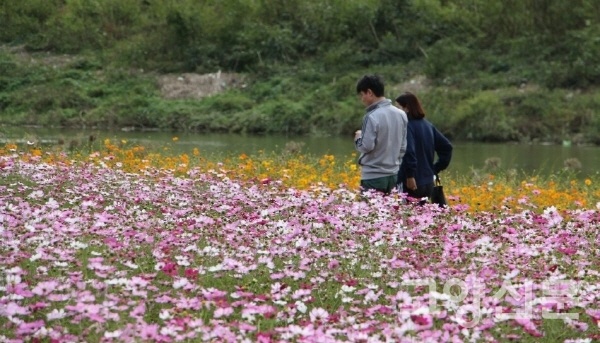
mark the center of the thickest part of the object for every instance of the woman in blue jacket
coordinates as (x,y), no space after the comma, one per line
(424,141)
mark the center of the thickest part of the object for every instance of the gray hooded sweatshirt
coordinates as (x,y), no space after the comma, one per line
(383,141)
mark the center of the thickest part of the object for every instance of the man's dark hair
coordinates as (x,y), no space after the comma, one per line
(372,82)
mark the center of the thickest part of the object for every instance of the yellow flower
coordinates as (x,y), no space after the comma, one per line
(476,193)
(175,139)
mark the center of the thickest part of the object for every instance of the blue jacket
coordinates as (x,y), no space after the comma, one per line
(423,142)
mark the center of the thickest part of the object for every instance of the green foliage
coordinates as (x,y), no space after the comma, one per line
(23,21)
(245,35)
(483,118)
(496,70)
(577,63)
(584,123)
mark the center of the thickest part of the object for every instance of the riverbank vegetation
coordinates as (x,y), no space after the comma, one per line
(487,70)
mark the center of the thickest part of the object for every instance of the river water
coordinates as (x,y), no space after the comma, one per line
(467,156)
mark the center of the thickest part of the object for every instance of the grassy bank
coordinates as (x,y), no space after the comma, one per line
(79,91)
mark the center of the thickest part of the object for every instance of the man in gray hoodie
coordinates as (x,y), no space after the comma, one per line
(382,139)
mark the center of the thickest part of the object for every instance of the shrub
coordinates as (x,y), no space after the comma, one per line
(484,118)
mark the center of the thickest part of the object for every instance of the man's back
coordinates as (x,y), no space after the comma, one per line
(384,140)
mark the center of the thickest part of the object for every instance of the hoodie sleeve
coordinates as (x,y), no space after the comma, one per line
(409,160)
(366,143)
(443,148)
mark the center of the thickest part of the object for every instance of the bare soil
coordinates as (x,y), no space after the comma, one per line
(198,86)
(172,86)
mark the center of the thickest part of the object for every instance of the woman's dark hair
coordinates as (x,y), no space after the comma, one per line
(414,110)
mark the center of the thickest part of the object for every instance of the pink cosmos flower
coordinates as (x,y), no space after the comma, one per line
(12,309)
(29,328)
(149,332)
(422,321)
(223,312)
(529,327)
(139,310)
(318,314)
(594,313)
(333,264)
(170,269)
(191,273)
(277,276)
(45,288)
(38,305)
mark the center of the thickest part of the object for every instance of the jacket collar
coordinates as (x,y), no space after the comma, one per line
(380,103)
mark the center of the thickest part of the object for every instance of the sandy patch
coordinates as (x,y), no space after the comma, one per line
(172,86)
(417,84)
(198,86)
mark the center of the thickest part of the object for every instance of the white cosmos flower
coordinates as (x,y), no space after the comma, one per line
(41,332)
(13,279)
(348,289)
(116,281)
(249,317)
(114,334)
(165,315)
(130,265)
(168,331)
(78,245)
(182,261)
(56,314)
(301,243)
(177,284)
(371,297)
(300,306)
(216,268)
(36,194)
(512,274)
(14,270)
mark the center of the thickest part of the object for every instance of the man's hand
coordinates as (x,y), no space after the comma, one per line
(357,135)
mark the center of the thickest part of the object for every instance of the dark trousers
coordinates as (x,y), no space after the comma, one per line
(422,191)
(381,184)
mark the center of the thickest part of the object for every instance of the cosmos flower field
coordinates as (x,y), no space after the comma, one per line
(95,250)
